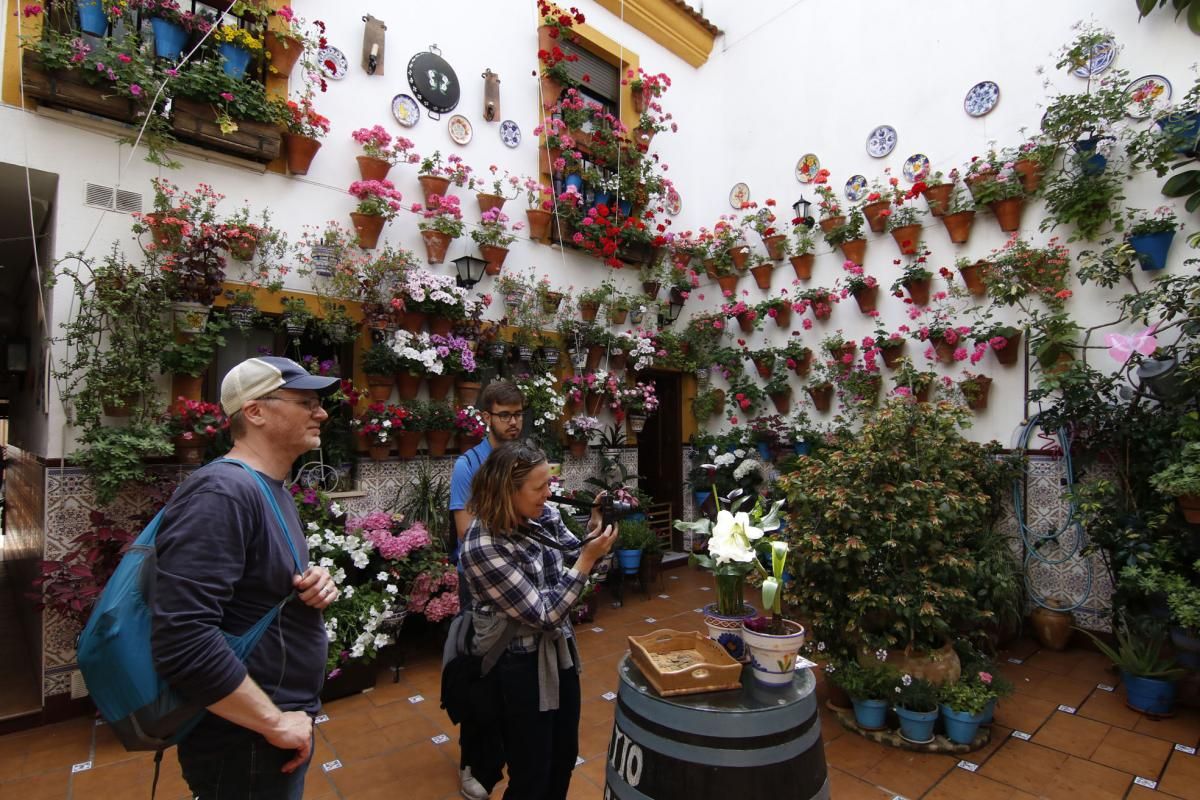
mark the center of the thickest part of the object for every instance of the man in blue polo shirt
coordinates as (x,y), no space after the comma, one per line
(503,409)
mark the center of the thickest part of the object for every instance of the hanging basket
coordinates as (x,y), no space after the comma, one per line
(436,244)
(803,266)
(874,214)
(1008,213)
(906,237)
(190,317)
(368,227)
(295,325)
(938,198)
(958,225)
(324,259)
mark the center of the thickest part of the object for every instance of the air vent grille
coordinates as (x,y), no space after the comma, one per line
(100,196)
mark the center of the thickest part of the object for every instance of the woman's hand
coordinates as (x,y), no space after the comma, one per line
(596,518)
(596,549)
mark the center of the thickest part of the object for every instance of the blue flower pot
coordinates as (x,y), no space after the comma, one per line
(764,450)
(91,17)
(870,715)
(960,727)
(1093,164)
(234,59)
(600,198)
(916,726)
(636,516)
(169,38)
(575,180)
(1152,248)
(1184,127)
(701,498)
(630,561)
(989,713)
(625,206)
(1149,695)
(802,448)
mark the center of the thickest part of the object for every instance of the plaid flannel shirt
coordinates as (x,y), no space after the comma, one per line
(521,578)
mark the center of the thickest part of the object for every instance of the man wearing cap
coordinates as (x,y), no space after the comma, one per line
(222,563)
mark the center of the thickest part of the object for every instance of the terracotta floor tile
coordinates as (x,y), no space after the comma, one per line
(907,773)
(1110,707)
(361,745)
(1023,648)
(593,741)
(844,786)
(340,725)
(854,754)
(123,779)
(47,786)
(1023,713)
(1182,776)
(1183,728)
(1134,753)
(1142,793)
(593,769)
(1024,765)
(958,784)
(999,735)
(596,712)
(1079,778)
(1060,662)
(1059,689)
(417,729)
(1072,734)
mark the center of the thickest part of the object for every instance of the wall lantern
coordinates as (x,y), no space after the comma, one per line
(671,313)
(470,271)
(802,208)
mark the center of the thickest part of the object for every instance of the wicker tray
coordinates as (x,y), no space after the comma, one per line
(684,662)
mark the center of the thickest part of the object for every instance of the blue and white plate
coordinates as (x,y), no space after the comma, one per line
(981,98)
(881,141)
(916,167)
(856,188)
(1103,55)
(333,63)
(510,133)
(405,110)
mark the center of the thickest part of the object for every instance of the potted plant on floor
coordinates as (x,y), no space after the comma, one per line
(870,686)
(1149,678)
(915,703)
(630,543)
(1181,592)
(962,705)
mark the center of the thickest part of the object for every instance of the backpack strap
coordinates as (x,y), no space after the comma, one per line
(274,507)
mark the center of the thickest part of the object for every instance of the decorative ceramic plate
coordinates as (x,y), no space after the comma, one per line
(460,129)
(510,133)
(981,98)
(1103,55)
(739,195)
(1145,94)
(881,141)
(856,188)
(674,202)
(405,110)
(916,167)
(333,63)
(807,167)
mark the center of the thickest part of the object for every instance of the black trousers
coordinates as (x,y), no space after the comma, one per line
(541,746)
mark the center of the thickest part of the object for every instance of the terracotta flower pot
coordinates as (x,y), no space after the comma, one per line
(413,321)
(551,91)
(829,223)
(466,442)
(728,283)
(918,291)
(762,275)
(379,452)
(431,185)
(801,365)
(368,227)
(1052,627)
(783,316)
(373,169)
(489,201)
(892,355)
(595,353)
(467,392)
(855,250)
(977,399)
(441,326)
(740,255)
(436,244)
(301,150)
(973,182)
(907,237)
(283,52)
(410,442)
(874,214)
(746,322)
(1008,213)
(1189,505)
(379,387)
(588,310)
(617,316)
(943,350)
(681,258)
(579,448)
(190,451)
(440,386)
(651,289)
(408,384)
(539,223)
(592,403)
(1031,174)
(551,301)
(763,366)
(494,256)
(782,401)
(437,441)
(823,313)
(776,246)
(821,396)
(803,265)
(710,267)
(972,276)
(839,353)
(867,298)
(938,198)
(958,225)
(1011,352)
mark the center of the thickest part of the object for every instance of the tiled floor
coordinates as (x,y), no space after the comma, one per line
(384,741)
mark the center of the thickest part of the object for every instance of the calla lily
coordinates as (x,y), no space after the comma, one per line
(731,538)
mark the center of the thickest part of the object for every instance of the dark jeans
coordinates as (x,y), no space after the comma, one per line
(244,768)
(541,746)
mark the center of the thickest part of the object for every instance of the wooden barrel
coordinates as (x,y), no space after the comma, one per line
(752,743)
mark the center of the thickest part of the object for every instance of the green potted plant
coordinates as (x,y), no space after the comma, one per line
(492,236)
(441,222)
(380,364)
(962,704)
(438,424)
(296,316)
(849,237)
(1151,234)
(916,704)
(1181,479)
(774,642)
(630,543)
(1182,595)
(1148,677)
(870,687)
(912,382)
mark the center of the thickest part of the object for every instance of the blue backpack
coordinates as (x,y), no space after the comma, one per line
(115,655)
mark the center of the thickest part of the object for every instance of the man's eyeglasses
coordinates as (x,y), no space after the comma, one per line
(311,404)
(507,416)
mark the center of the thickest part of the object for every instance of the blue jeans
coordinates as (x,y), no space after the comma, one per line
(245,768)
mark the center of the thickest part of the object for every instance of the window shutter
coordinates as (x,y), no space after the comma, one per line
(604,79)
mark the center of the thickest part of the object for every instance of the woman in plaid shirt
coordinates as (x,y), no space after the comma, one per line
(513,558)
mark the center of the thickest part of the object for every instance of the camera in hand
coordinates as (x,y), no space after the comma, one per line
(611,511)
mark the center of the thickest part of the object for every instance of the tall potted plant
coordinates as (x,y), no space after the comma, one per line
(774,642)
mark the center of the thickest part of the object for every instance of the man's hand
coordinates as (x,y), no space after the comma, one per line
(316,587)
(292,731)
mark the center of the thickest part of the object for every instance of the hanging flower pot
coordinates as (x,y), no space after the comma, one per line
(410,442)
(782,401)
(467,392)
(1091,163)
(635,316)
(728,284)
(368,227)
(763,365)
(432,184)
(782,315)
(489,201)
(803,265)
(595,354)
(283,53)
(234,59)
(242,247)
(762,275)
(492,254)
(241,316)
(974,182)
(1031,174)
(746,321)
(841,352)
(436,244)
(373,169)
(440,386)
(975,390)
(550,355)
(379,387)
(539,223)
(800,365)
(972,276)
(1152,248)
(867,298)
(1011,351)
(651,289)
(906,237)
(874,214)
(91,17)
(588,310)
(408,384)
(821,396)
(167,235)
(616,316)
(190,317)
(942,349)
(190,451)
(740,255)
(710,267)
(301,150)
(855,250)
(1008,213)
(413,321)
(938,198)
(552,90)
(379,452)
(776,246)
(829,223)
(681,258)
(592,403)
(437,441)
(524,353)
(440,326)
(551,301)
(295,325)
(169,38)
(958,225)
(637,423)
(918,290)
(892,355)
(822,311)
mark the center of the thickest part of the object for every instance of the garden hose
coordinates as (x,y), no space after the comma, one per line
(1032,539)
